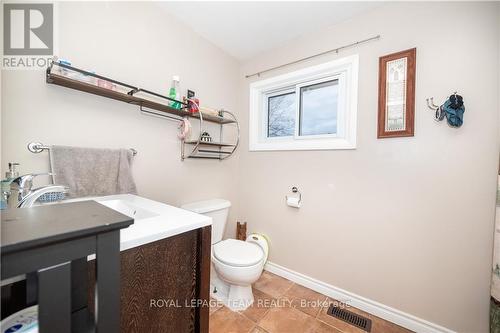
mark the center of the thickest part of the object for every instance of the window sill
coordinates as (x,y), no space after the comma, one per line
(330,144)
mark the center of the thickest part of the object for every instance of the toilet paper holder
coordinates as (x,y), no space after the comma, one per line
(295,190)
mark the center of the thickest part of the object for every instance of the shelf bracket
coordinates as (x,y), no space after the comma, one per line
(133,91)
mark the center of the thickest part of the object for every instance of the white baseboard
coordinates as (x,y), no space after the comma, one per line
(377,309)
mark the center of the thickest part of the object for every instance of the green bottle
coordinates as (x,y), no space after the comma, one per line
(175,93)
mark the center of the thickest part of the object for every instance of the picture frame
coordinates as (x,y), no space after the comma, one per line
(396,94)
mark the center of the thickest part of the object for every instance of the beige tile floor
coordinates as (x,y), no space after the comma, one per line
(282,306)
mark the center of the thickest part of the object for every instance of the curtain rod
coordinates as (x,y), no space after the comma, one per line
(315,55)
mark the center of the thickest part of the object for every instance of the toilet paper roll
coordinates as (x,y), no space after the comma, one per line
(293,202)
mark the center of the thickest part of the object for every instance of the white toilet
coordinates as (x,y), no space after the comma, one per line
(237,263)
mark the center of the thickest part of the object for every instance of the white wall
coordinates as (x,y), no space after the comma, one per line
(406,222)
(136,43)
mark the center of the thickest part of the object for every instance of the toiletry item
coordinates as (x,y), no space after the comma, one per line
(64,62)
(72,74)
(209,111)
(13,172)
(10,175)
(293,202)
(205,137)
(185,129)
(105,84)
(193,102)
(65,71)
(4,196)
(175,92)
(194,106)
(89,78)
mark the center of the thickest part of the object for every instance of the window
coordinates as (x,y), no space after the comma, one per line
(313,108)
(281,115)
(318,108)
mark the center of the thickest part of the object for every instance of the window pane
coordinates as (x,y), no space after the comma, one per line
(281,115)
(318,108)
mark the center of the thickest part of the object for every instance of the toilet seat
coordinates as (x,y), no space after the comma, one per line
(238,253)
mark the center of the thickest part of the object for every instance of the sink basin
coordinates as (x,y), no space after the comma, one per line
(126,208)
(152,220)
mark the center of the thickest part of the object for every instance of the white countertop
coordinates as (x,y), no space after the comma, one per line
(153,220)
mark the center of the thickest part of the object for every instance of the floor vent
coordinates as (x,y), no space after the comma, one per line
(350,318)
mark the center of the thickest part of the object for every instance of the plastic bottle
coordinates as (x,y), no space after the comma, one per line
(175,92)
(5,183)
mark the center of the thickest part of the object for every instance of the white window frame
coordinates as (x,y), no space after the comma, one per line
(345,70)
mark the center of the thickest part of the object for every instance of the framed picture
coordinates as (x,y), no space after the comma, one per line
(396,94)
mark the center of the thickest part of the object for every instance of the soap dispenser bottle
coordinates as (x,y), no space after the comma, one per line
(175,93)
(10,175)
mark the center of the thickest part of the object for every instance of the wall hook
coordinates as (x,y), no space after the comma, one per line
(430,104)
(453,109)
(438,113)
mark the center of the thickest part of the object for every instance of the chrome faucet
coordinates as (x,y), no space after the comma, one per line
(22,193)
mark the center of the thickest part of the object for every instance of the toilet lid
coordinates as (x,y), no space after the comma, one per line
(238,253)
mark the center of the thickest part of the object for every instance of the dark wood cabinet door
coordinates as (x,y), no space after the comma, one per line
(162,282)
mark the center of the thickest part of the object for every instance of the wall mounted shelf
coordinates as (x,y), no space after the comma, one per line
(218,144)
(126,95)
(71,77)
(218,150)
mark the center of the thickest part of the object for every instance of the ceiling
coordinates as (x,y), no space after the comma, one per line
(246,29)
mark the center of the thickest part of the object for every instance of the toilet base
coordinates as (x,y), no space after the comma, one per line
(236,298)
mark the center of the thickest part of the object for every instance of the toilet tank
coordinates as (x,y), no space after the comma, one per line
(217,209)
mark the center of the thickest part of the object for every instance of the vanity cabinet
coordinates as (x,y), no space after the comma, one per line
(164,284)
(164,268)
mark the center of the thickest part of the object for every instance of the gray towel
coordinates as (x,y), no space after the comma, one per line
(92,171)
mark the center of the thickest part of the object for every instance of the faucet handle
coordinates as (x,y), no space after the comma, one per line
(25,182)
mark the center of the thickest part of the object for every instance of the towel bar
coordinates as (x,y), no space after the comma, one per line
(37,147)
